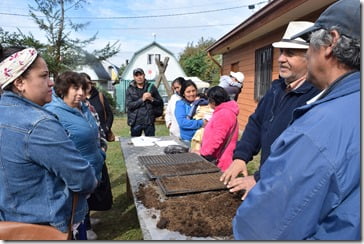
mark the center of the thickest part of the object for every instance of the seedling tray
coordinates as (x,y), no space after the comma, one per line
(182,184)
(170,158)
(182,168)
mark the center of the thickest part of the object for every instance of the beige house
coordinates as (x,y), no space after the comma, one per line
(248,47)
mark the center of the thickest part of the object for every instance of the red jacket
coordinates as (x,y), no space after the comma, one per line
(217,132)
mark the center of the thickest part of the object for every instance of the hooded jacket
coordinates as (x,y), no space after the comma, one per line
(310,183)
(141,112)
(217,131)
(82,130)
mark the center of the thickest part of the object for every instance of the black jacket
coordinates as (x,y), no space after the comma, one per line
(141,112)
(95,101)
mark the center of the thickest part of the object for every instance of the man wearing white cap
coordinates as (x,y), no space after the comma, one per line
(232,84)
(274,111)
(309,187)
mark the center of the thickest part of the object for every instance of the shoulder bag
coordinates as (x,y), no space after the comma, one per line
(101,199)
(24,231)
(157,109)
(109,134)
(226,142)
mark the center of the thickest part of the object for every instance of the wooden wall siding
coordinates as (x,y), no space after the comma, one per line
(245,56)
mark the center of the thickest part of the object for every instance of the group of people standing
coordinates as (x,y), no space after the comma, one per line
(217,117)
(186,113)
(306,127)
(52,143)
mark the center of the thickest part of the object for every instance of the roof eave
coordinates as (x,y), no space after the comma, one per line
(267,19)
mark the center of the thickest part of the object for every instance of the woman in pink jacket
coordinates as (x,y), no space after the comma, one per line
(222,130)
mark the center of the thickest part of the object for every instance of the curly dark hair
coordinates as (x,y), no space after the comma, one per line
(65,80)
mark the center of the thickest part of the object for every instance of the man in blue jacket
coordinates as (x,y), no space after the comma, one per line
(309,186)
(274,111)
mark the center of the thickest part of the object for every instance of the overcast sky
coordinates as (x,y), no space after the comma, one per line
(136,23)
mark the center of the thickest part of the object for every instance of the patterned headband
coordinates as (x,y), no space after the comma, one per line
(14,66)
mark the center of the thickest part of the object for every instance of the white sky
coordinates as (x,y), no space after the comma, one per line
(209,19)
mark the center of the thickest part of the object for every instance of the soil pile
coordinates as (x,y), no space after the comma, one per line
(207,214)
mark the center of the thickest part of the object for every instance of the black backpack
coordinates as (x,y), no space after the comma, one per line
(157,109)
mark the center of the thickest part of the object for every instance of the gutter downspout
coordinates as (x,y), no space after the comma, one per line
(214,60)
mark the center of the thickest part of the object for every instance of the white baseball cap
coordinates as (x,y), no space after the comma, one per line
(238,75)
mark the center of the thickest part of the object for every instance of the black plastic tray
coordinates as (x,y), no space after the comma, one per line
(182,184)
(172,169)
(170,158)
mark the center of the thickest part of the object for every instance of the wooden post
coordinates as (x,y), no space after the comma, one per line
(162,66)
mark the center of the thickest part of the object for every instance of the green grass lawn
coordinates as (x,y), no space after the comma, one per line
(121,222)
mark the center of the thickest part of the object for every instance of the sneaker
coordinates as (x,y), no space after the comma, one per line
(91,235)
(94,221)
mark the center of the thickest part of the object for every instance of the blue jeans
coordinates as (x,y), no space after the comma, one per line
(136,130)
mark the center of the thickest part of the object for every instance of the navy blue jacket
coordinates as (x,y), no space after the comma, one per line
(271,117)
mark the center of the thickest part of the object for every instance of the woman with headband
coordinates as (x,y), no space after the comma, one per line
(40,167)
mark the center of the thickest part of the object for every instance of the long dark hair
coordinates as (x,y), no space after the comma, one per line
(184,86)
(178,80)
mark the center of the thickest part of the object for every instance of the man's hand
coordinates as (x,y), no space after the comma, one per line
(147,96)
(242,183)
(237,166)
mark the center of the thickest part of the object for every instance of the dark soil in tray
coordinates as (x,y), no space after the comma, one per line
(187,183)
(207,214)
(166,169)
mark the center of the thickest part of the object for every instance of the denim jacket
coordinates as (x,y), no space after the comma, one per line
(82,129)
(39,166)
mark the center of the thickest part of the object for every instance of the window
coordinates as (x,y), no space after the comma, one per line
(150,58)
(158,57)
(234,67)
(263,71)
